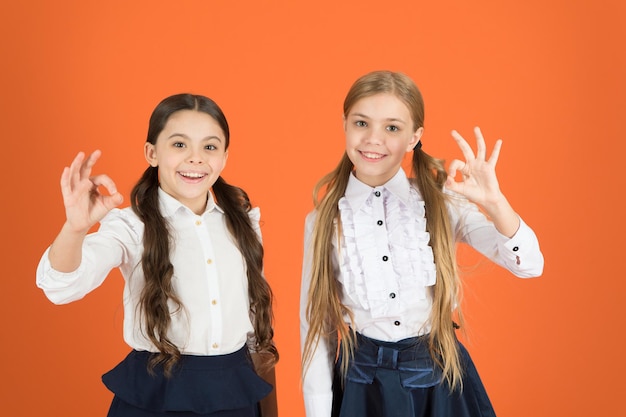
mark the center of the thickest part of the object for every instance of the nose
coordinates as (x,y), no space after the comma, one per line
(374,137)
(195,156)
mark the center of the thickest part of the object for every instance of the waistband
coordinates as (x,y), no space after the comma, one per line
(201,362)
(390,354)
(201,384)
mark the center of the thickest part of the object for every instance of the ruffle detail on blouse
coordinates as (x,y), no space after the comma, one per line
(200,384)
(410,242)
(408,247)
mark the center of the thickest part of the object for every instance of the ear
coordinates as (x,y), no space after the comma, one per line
(225,159)
(344,122)
(414,139)
(149,151)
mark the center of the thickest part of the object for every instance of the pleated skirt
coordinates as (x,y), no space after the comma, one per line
(209,386)
(400,379)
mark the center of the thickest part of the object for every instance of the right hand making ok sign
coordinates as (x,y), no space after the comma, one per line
(84,204)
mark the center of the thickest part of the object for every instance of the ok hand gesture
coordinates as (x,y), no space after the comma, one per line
(84,204)
(479,183)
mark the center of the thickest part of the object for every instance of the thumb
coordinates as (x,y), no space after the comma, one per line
(452,185)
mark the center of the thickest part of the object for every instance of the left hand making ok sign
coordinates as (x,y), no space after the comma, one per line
(478,175)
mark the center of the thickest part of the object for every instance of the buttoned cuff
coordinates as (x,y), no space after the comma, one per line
(55,283)
(519,243)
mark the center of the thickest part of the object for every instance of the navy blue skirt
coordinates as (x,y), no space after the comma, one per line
(222,385)
(400,379)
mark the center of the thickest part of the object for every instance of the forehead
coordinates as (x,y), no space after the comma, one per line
(192,123)
(381,106)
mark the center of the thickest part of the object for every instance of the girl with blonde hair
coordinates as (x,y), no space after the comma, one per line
(380,288)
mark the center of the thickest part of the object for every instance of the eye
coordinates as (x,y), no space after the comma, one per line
(178,145)
(211,147)
(360,123)
(393,128)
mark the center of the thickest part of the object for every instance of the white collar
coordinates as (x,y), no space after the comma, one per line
(170,206)
(358,192)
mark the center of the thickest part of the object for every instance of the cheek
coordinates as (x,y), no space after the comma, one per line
(351,138)
(402,145)
(219,164)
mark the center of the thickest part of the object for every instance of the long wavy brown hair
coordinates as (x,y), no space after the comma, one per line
(157,267)
(325,311)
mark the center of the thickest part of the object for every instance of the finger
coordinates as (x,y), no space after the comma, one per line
(112,201)
(106,182)
(481,148)
(452,185)
(73,174)
(114,198)
(66,189)
(455,165)
(495,154)
(468,153)
(85,170)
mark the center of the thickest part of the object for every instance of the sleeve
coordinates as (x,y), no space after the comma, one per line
(318,372)
(255,220)
(519,254)
(102,251)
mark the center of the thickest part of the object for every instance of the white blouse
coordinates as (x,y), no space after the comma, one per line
(210,276)
(386,267)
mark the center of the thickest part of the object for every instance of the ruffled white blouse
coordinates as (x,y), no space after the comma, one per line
(384,254)
(386,267)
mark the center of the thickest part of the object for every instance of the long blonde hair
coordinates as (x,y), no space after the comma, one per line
(325,312)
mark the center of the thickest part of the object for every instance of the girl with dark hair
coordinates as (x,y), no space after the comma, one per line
(380,289)
(197,308)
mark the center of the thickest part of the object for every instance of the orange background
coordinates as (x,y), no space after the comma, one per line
(546,76)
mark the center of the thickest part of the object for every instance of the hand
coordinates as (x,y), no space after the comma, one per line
(84,204)
(479,183)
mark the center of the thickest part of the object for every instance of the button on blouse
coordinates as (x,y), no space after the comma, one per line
(209,276)
(391,300)
(375,260)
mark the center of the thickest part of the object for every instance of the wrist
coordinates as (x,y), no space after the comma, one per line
(496,204)
(503,216)
(73,231)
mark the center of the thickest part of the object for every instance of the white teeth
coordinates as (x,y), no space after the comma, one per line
(191,174)
(372,155)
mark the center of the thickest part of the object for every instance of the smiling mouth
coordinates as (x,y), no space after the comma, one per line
(192,175)
(372,155)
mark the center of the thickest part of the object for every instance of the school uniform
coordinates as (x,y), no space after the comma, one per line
(215,376)
(385,269)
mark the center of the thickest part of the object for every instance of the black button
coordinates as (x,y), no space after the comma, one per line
(397,323)
(392,295)
(377,193)
(515,249)
(380,222)
(385,258)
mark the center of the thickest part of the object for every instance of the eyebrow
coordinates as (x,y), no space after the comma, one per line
(389,119)
(173,135)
